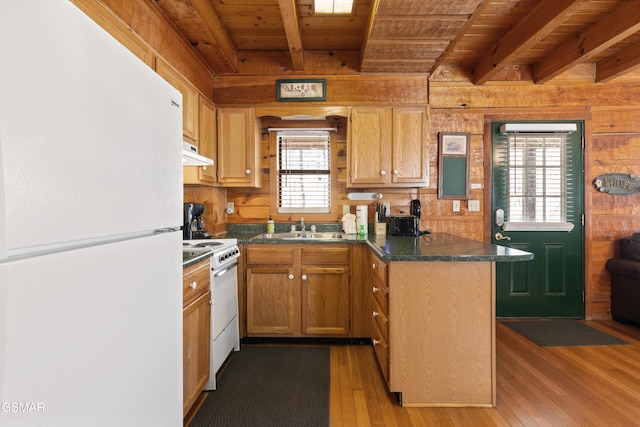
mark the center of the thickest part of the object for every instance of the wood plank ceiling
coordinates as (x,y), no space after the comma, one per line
(262,37)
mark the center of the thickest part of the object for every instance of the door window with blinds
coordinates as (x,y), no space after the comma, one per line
(535,160)
(304,172)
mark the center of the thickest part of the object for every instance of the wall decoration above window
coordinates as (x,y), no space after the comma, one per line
(301,89)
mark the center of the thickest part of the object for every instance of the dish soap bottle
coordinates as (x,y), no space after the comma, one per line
(271,226)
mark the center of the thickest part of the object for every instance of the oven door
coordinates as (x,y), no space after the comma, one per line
(224,286)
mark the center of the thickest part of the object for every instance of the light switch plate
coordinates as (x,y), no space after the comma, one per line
(474,206)
(456,205)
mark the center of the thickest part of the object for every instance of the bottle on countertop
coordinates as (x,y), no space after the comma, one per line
(271,226)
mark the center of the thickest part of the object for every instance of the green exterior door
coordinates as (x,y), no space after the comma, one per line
(537,206)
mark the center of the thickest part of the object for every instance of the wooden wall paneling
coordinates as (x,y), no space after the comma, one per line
(341,90)
(316,62)
(214,200)
(117,28)
(453,95)
(620,119)
(146,19)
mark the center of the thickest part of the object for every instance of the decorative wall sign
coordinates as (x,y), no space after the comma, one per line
(618,183)
(453,165)
(301,90)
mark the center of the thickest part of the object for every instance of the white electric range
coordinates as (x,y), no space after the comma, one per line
(225,336)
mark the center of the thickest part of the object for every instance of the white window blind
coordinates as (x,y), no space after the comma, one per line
(539,188)
(304,172)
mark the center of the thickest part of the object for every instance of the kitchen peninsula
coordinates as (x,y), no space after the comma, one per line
(430,304)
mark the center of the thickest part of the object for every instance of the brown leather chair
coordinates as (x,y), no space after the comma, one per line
(625,281)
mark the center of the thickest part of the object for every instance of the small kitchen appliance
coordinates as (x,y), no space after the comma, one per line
(415,209)
(193,223)
(406,225)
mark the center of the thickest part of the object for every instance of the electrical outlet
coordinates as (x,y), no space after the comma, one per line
(230,207)
(474,206)
(456,205)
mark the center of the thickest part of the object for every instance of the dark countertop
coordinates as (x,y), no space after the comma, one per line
(428,247)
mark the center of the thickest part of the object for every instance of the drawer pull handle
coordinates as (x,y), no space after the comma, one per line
(374,266)
(375,341)
(193,285)
(375,289)
(383,172)
(304,277)
(375,314)
(291,277)
(247,172)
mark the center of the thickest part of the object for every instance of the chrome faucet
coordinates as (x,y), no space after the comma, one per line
(302,224)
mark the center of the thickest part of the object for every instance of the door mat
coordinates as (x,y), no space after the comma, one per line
(562,333)
(270,386)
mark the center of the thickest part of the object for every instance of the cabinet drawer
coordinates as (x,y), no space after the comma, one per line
(381,320)
(379,269)
(381,349)
(195,282)
(325,255)
(380,295)
(270,254)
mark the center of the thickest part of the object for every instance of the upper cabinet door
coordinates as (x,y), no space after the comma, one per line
(388,147)
(189,100)
(207,140)
(238,154)
(369,146)
(410,136)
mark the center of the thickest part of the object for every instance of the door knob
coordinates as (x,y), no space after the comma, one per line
(499,236)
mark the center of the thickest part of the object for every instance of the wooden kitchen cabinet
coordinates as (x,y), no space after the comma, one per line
(388,146)
(379,313)
(325,290)
(207,146)
(433,330)
(239,139)
(196,328)
(297,290)
(190,101)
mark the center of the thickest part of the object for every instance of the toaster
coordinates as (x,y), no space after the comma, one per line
(404,225)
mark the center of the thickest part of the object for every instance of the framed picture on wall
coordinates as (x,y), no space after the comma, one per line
(453,165)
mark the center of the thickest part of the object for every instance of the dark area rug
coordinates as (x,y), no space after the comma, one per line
(561,333)
(270,386)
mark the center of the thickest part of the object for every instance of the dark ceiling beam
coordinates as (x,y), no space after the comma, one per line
(542,20)
(290,19)
(616,65)
(611,29)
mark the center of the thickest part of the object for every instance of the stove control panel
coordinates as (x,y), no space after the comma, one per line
(227,255)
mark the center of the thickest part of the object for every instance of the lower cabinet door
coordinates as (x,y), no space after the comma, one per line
(196,349)
(325,300)
(272,300)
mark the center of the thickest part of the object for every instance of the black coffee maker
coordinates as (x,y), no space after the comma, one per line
(193,227)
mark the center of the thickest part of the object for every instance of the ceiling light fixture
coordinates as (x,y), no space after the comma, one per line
(333,6)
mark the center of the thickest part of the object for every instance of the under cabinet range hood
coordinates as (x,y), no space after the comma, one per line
(190,156)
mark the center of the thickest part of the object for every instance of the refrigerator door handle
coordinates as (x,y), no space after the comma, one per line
(166,230)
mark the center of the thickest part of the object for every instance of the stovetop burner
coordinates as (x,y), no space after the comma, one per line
(206,245)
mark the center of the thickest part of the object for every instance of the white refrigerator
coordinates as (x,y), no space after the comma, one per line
(90,210)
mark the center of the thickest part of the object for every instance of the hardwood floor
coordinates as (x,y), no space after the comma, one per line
(536,386)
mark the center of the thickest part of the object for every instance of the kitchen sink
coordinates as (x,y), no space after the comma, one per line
(300,235)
